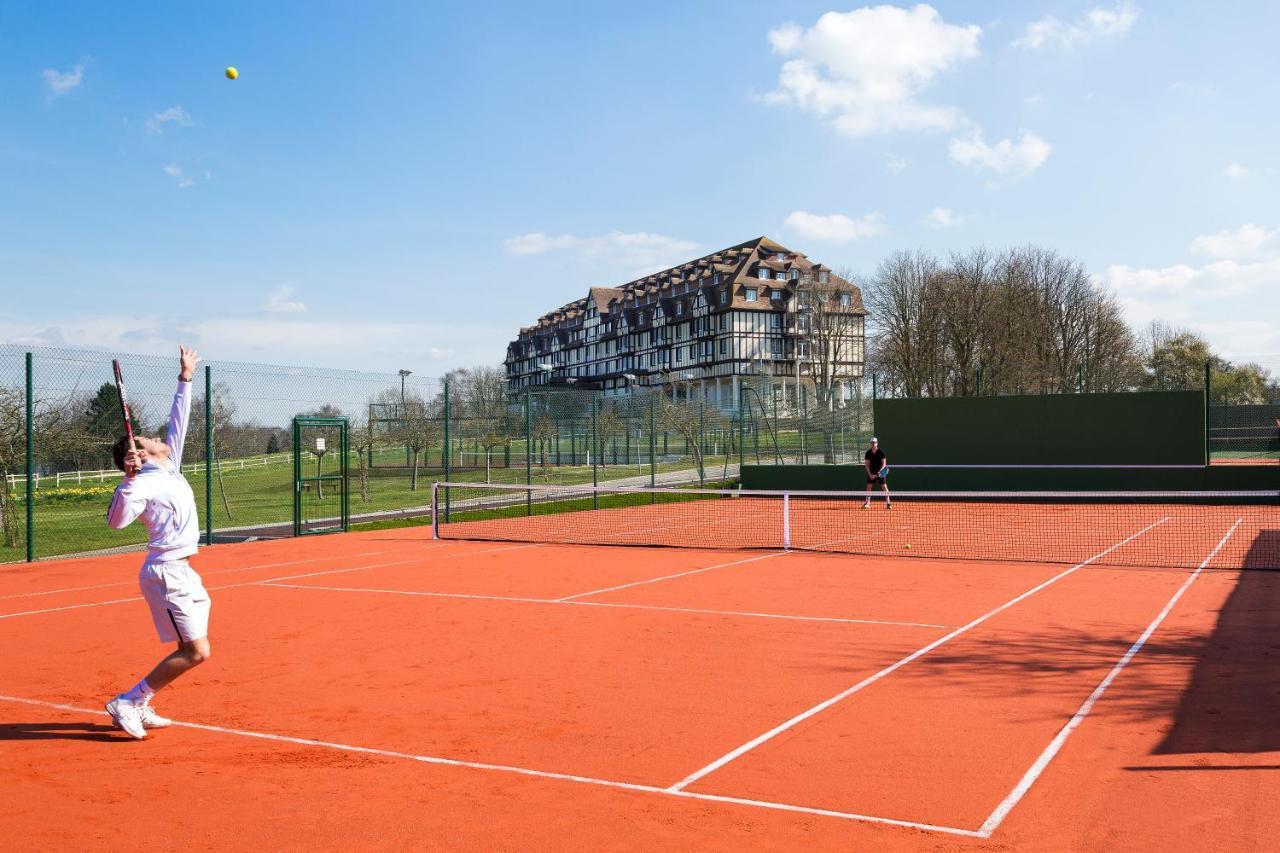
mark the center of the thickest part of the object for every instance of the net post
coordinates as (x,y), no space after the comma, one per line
(31,463)
(435,510)
(208,454)
(786,521)
(1208,389)
(528,450)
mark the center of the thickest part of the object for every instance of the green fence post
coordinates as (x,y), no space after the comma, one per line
(742,430)
(804,424)
(702,445)
(31,464)
(653,446)
(208,454)
(444,455)
(1080,379)
(528,451)
(595,455)
(1208,416)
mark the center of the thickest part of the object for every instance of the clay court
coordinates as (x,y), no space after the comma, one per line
(388,690)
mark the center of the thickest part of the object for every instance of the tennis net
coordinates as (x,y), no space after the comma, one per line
(1237,529)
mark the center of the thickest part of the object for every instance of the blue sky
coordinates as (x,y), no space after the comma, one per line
(404,184)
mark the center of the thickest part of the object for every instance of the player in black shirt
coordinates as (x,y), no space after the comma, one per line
(875,462)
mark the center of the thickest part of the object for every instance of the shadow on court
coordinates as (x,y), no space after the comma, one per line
(59,731)
(1232,703)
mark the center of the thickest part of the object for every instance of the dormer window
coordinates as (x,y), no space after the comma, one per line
(763,272)
(782,256)
(679,309)
(715,278)
(846,300)
(724,297)
(775,294)
(795,275)
(824,277)
(751,294)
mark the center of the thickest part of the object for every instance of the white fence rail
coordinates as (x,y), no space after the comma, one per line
(112,475)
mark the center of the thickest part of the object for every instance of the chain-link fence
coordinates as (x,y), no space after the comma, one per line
(1248,434)
(59,416)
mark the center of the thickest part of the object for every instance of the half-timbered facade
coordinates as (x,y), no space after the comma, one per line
(700,329)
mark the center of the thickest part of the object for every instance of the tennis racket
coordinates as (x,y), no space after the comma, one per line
(884,472)
(124,403)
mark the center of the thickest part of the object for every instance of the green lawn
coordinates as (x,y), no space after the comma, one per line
(71,518)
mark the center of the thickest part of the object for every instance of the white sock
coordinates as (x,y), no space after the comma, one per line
(139,693)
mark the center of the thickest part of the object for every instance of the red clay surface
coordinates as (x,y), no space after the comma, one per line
(622,677)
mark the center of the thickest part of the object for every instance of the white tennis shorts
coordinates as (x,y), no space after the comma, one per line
(178,600)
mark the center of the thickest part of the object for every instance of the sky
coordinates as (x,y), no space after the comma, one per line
(403,185)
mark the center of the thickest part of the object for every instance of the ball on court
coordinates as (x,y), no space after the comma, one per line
(908,544)
(231,72)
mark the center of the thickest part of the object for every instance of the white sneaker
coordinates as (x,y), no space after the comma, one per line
(127,717)
(152,720)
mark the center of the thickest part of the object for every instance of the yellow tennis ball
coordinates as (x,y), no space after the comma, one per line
(231,72)
(908,544)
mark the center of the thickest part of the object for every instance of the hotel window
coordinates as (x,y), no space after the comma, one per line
(775,346)
(775,321)
(724,346)
(679,309)
(795,275)
(751,294)
(715,278)
(824,277)
(763,272)
(782,256)
(846,300)
(775,294)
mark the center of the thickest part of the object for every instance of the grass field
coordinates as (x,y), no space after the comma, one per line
(70,518)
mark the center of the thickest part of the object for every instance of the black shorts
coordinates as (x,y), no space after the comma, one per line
(875,480)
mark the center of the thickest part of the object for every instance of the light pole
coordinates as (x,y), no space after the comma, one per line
(403,374)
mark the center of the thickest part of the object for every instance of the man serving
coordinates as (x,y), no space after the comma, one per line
(155,491)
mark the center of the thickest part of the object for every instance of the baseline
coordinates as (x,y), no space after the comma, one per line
(524,771)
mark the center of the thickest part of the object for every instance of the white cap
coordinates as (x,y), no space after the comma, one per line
(875,440)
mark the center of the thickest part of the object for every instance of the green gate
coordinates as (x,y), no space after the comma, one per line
(320,500)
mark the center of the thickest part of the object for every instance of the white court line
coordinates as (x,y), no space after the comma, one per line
(872,679)
(206,574)
(524,771)
(606,604)
(670,577)
(269,580)
(992,823)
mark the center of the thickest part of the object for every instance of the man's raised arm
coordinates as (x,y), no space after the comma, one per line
(180,413)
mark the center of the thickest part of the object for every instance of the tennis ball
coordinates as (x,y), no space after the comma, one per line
(908,544)
(231,72)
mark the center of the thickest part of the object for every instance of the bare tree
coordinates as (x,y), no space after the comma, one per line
(418,427)
(828,332)
(481,408)
(57,430)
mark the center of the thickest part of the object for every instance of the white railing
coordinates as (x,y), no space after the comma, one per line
(58,478)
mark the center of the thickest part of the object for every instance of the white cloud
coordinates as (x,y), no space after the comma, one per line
(538,243)
(863,70)
(1034,100)
(1235,171)
(278,302)
(1096,23)
(174,115)
(1004,159)
(175,171)
(835,227)
(1245,241)
(1213,280)
(62,82)
(441,353)
(895,164)
(941,217)
(633,253)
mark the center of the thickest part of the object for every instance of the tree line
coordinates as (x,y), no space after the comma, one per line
(1028,320)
